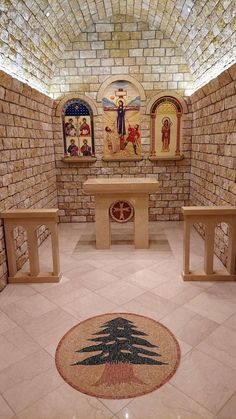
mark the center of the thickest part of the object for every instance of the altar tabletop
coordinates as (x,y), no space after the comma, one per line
(120,185)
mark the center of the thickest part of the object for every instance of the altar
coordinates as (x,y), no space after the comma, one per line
(133,191)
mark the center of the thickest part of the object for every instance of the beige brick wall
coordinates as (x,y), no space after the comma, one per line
(27,162)
(121,45)
(213,163)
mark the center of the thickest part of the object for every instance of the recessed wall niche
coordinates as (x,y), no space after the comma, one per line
(166,114)
(78,131)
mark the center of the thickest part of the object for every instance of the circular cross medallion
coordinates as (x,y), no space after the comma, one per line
(121,211)
(117,356)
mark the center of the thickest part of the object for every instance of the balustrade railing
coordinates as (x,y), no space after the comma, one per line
(30,220)
(210,217)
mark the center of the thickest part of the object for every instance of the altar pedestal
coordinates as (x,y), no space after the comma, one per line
(133,190)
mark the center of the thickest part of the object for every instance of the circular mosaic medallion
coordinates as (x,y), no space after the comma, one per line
(117,356)
(121,211)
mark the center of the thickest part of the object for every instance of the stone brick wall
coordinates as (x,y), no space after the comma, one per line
(27,161)
(121,45)
(34,34)
(213,163)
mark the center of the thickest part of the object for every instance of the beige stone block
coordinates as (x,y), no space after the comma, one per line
(137,52)
(129,44)
(153,60)
(119,53)
(183,68)
(85,54)
(120,70)
(104,27)
(136,35)
(93,62)
(129,27)
(119,61)
(145,69)
(121,36)
(129,61)
(118,27)
(154,43)
(160,85)
(141,60)
(97,45)
(112,44)
(148,34)
(92,36)
(151,77)
(148,52)
(103,53)
(166,77)
(105,36)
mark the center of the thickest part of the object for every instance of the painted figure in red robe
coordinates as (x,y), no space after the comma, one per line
(133,136)
(84,128)
(166,135)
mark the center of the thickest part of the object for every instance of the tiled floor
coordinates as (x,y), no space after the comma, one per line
(33,318)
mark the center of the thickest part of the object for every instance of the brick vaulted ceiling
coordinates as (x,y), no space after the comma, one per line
(34,33)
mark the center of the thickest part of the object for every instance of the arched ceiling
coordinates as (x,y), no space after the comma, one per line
(34,33)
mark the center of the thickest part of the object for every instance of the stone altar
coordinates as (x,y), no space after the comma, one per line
(133,190)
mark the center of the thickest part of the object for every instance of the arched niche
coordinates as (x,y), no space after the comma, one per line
(78,128)
(72,96)
(166,113)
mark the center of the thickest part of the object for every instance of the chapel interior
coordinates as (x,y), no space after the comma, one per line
(118,91)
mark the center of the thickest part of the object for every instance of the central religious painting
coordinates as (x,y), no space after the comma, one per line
(121,122)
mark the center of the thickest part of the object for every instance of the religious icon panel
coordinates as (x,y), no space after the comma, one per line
(121,121)
(166,116)
(78,129)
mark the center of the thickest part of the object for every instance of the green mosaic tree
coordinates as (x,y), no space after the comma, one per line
(120,346)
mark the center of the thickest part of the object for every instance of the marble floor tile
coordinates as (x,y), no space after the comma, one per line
(93,280)
(189,326)
(157,307)
(166,403)
(205,380)
(25,370)
(221,345)
(127,268)
(178,291)
(29,391)
(15,292)
(6,323)
(229,409)
(65,403)
(9,353)
(231,322)
(88,306)
(65,292)
(120,292)
(21,340)
(196,329)
(202,316)
(211,306)
(145,278)
(55,334)
(47,322)
(5,411)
